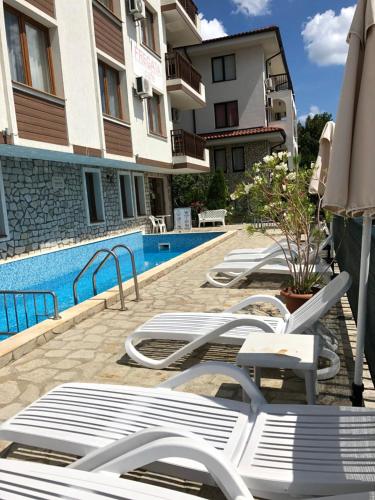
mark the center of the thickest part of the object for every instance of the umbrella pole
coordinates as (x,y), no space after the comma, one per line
(358,388)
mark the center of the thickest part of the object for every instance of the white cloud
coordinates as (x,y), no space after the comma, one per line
(252,7)
(314,110)
(325,34)
(212,28)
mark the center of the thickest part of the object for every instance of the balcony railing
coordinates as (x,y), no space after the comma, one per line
(186,144)
(281,82)
(179,67)
(190,8)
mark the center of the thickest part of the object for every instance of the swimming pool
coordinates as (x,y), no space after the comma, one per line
(57,270)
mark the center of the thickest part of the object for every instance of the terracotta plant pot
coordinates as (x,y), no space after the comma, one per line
(294,300)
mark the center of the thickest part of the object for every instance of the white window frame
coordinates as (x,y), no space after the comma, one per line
(4,226)
(135,195)
(101,205)
(132,193)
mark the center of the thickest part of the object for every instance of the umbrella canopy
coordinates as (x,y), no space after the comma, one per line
(319,177)
(351,177)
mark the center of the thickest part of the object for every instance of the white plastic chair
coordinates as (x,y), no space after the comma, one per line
(84,480)
(158,225)
(231,328)
(280,451)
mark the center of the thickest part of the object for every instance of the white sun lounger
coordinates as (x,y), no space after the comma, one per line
(30,480)
(262,250)
(276,250)
(231,328)
(229,273)
(280,451)
(369,495)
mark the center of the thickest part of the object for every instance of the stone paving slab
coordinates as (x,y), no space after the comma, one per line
(93,351)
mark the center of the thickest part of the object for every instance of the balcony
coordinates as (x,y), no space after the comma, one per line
(276,83)
(182,22)
(184,83)
(189,152)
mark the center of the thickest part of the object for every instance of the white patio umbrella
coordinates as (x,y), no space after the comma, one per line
(319,176)
(350,188)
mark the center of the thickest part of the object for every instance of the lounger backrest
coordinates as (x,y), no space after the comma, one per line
(315,308)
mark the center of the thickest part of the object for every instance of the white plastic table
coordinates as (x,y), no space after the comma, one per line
(277,350)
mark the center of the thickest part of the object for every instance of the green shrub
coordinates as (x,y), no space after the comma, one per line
(190,189)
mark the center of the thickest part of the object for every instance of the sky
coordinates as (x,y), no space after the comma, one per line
(314,35)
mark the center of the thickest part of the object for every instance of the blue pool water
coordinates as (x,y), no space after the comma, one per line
(56,270)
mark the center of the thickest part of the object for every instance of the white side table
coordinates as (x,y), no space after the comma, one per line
(277,350)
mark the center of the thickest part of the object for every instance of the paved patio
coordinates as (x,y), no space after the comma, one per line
(94,350)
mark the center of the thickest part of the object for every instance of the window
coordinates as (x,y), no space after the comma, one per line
(226,114)
(220,159)
(110,91)
(29,52)
(154,114)
(148,30)
(93,196)
(4,229)
(223,68)
(140,198)
(126,196)
(238,159)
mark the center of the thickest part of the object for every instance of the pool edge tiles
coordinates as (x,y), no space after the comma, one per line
(15,347)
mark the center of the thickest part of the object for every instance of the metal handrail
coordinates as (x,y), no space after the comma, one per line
(118,272)
(24,293)
(134,269)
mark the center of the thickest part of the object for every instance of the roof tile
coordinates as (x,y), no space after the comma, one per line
(241,132)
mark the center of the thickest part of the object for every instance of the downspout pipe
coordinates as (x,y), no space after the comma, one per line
(281,143)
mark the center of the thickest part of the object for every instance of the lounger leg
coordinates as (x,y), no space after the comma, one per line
(310,381)
(257,375)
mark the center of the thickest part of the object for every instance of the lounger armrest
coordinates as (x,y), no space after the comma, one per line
(263,299)
(154,444)
(210,337)
(236,373)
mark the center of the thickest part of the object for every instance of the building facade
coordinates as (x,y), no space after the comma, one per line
(87,92)
(250,108)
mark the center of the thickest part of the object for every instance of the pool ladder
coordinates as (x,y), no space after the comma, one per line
(108,254)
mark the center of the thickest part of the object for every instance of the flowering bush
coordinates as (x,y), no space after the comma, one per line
(281,196)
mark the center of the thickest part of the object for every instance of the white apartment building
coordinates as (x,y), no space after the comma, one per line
(87,93)
(250,108)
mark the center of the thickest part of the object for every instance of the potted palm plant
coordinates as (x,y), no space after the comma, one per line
(281,196)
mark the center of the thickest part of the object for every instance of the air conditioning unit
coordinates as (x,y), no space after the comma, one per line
(176,115)
(137,8)
(143,87)
(269,103)
(270,84)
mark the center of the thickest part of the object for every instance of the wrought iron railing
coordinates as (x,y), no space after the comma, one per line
(178,66)
(281,82)
(187,144)
(20,309)
(190,8)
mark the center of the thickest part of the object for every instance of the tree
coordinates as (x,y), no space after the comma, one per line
(189,189)
(217,195)
(308,137)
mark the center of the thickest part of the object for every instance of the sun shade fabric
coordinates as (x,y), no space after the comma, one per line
(319,177)
(351,177)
